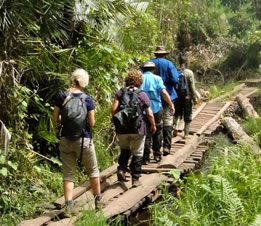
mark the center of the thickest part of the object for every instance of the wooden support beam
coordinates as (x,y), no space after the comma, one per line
(175,160)
(246,106)
(239,134)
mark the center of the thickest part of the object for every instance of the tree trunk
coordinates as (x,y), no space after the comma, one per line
(246,106)
(239,134)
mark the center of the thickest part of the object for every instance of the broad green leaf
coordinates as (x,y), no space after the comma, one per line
(4,171)
(175,173)
(13,165)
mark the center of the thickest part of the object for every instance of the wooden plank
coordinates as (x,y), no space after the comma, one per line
(215,118)
(175,160)
(85,186)
(64,222)
(251,92)
(114,190)
(42,219)
(80,204)
(134,195)
(155,170)
(187,166)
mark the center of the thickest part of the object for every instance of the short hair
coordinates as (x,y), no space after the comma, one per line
(134,78)
(80,77)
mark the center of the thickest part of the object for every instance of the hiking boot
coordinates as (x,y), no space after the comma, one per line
(121,175)
(145,162)
(98,202)
(166,151)
(69,210)
(157,158)
(175,133)
(135,182)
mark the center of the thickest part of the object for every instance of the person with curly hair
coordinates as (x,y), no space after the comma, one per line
(132,138)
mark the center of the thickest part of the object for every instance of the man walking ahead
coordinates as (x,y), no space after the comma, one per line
(169,74)
(154,88)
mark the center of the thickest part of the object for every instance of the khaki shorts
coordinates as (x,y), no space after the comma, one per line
(70,151)
(133,142)
(167,116)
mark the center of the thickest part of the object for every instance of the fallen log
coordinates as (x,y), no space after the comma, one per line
(175,160)
(246,106)
(239,134)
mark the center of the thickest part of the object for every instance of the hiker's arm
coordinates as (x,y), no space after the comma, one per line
(115,106)
(166,97)
(91,118)
(56,114)
(150,117)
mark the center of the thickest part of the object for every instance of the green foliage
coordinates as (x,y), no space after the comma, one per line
(216,91)
(226,194)
(92,218)
(252,127)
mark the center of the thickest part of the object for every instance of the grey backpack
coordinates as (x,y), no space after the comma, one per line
(74,116)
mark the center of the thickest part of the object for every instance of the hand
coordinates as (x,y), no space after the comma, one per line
(172,109)
(153,128)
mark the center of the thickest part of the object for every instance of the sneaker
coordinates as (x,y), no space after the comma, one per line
(98,202)
(135,183)
(157,158)
(121,175)
(166,151)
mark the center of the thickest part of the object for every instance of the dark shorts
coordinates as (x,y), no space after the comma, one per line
(183,108)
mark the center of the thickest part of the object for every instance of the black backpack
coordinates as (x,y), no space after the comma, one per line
(74,116)
(182,86)
(129,117)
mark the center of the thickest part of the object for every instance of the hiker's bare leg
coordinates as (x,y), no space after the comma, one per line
(68,190)
(95,185)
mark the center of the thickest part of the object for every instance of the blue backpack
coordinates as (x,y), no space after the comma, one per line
(182,86)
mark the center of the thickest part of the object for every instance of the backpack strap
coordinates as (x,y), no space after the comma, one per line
(67,98)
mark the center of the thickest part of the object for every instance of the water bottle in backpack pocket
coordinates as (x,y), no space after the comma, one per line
(128,119)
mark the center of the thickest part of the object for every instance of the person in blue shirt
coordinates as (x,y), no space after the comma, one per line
(169,74)
(155,89)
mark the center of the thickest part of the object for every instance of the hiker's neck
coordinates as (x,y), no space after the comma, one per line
(76,89)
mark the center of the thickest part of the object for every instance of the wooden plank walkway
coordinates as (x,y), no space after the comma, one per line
(120,197)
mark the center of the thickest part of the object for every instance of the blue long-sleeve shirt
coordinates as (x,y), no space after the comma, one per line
(169,74)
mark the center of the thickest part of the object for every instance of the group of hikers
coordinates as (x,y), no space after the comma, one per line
(146,113)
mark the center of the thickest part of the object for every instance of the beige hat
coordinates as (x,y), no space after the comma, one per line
(149,64)
(160,50)
(80,77)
